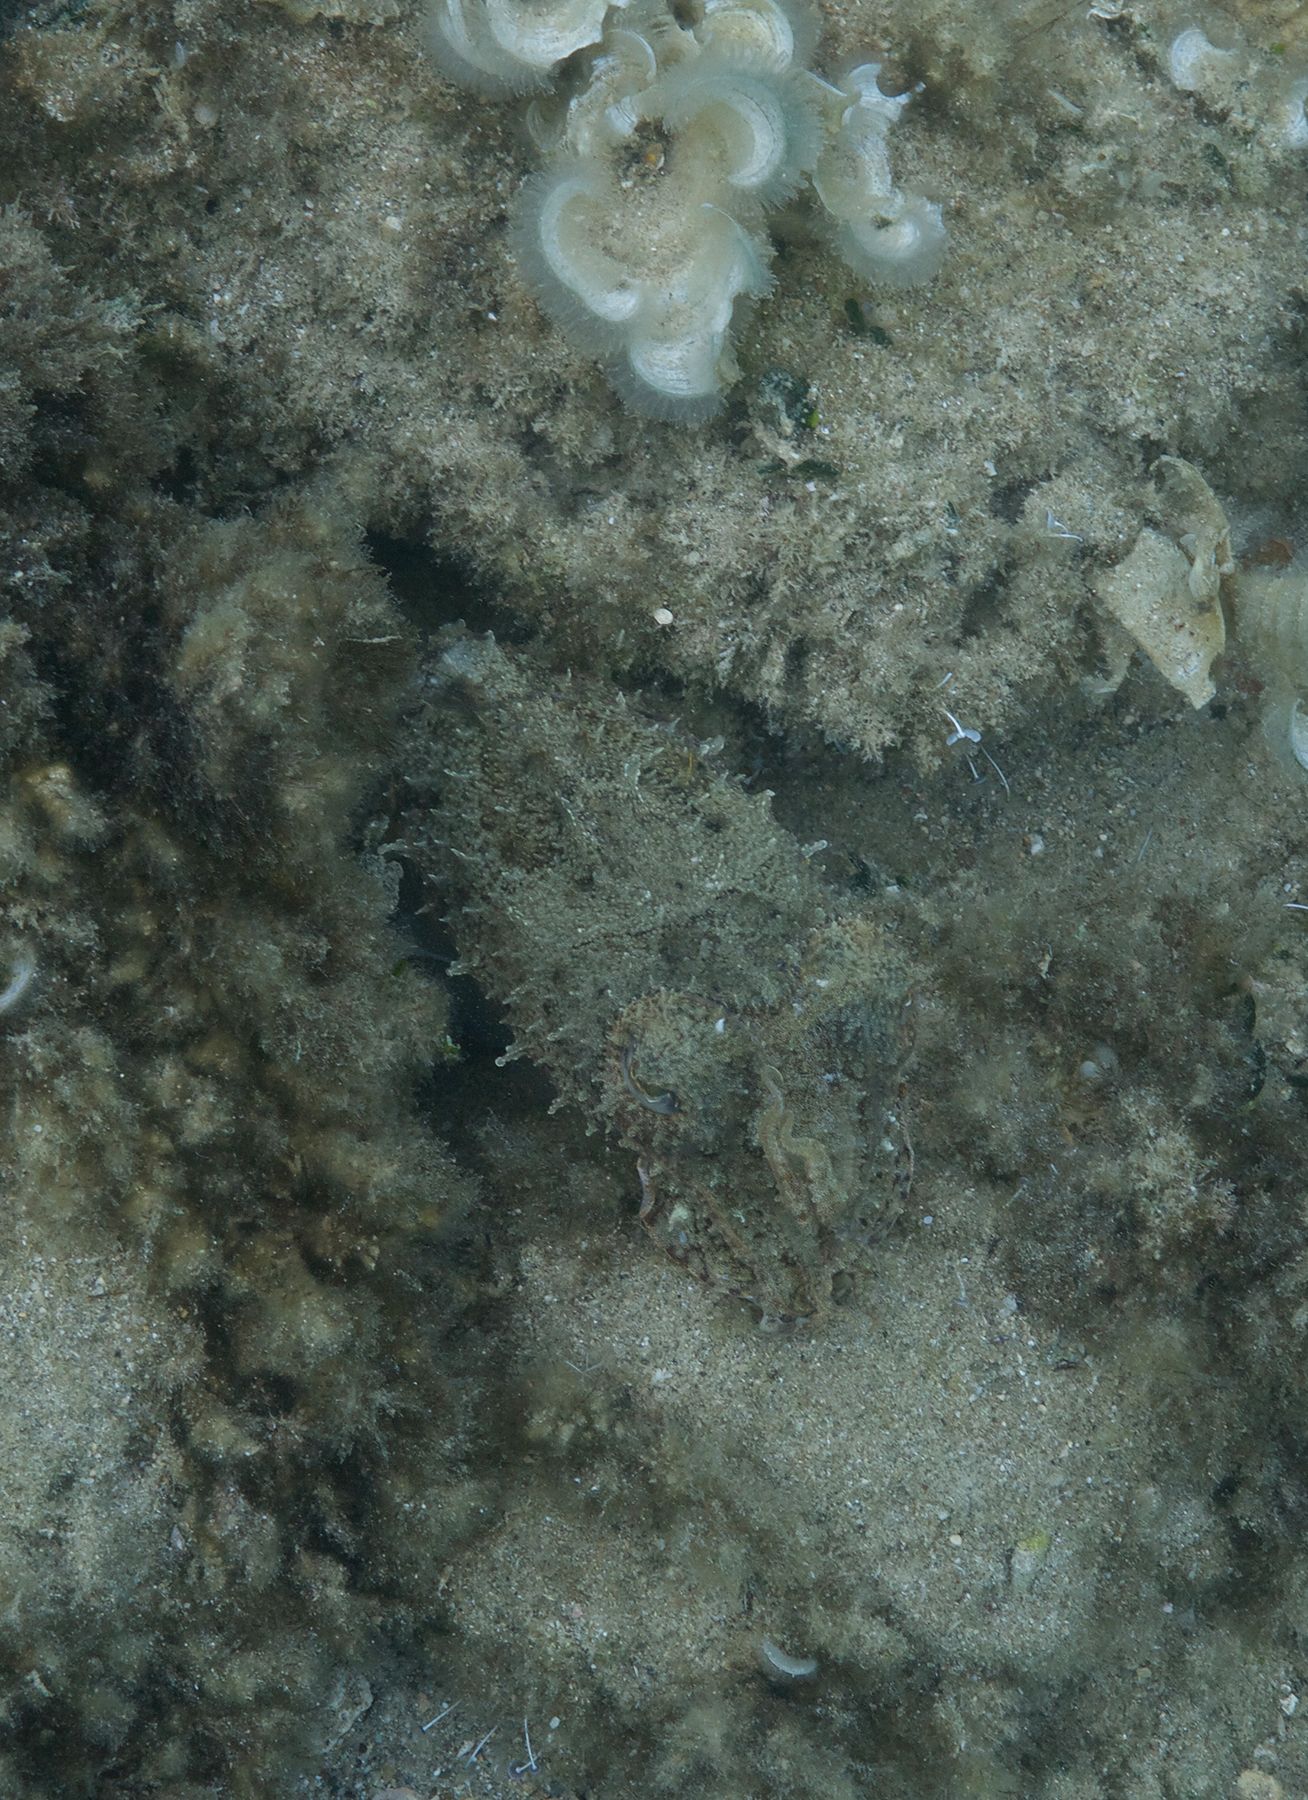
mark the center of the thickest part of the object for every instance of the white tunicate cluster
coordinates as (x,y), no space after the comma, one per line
(667,142)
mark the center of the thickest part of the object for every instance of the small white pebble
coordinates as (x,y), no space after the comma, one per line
(661,616)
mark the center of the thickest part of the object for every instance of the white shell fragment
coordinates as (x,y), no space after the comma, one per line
(1149,593)
(1167,593)
(1195,516)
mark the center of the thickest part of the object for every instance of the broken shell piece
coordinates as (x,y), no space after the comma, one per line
(1152,596)
(1195,517)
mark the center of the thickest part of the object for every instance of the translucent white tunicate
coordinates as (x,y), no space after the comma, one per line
(651,288)
(569,240)
(1296,119)
(773,35)
(1193,62)
(885,234)
(645,234)
(853,175)
(670,135)
(677,358)
(751,131)
(906,245)
(1298,734)
(509,46)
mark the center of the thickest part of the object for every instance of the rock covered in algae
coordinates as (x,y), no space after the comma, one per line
(589,854)
(211,1033)
(664,951)
(307,257)
(771,1152)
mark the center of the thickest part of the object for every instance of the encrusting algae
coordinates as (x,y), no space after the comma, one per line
(654,1066)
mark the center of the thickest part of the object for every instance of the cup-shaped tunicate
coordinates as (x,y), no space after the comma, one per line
(510,46)
(564,251)
(1271,627)
(678,356)
(902,244)
(780,36)
(883,233)
(750,130)
(604,112)
(649,284)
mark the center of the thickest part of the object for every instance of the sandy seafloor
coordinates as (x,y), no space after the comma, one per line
(632,1207)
